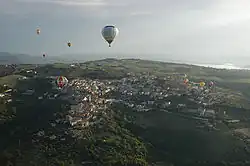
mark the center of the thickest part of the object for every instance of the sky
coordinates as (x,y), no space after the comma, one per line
(187,30)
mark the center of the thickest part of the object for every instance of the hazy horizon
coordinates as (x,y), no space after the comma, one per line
(208,31)
(77,58)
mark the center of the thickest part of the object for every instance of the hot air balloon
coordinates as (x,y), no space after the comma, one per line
(109,33)
(202,84)
(44,55)
(211,83)
(186,81)
(69,44)
(61,81)
(38,31)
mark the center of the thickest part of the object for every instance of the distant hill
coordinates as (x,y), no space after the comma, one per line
(8,58)
(246,66)
(15,58)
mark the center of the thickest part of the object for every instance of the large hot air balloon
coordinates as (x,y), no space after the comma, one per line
(61,81)
(38,31)
(69,44)
(109,33)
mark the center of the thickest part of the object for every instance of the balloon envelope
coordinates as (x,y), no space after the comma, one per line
(38,31)
(61,81)
(186,81)
(211,83)
(109,33)
(202,84)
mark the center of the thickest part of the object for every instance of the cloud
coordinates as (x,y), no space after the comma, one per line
(62,8)
(226,12)
(140,13)
(77,3)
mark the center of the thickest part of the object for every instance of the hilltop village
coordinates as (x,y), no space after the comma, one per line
(138,92)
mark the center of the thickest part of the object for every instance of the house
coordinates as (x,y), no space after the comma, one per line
(209,113)
(8,91)
(150,102)
(231,121)
(9,100)
(85,124)
(75,120)
(29,71)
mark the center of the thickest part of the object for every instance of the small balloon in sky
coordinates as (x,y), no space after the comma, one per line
(38,31)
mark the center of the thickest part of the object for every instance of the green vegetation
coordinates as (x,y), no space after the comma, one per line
(113,144)
(60,65)
(10,80)
(146,138)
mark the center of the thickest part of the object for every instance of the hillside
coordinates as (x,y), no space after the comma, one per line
(123,112)
(8,58)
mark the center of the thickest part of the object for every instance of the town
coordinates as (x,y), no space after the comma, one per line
(141,93)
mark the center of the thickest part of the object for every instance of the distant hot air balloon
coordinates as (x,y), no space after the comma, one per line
(186,81)
(69,44)
(109,33)
(61,81)
(44,55)
(38,31)
(202,84)
(211,83)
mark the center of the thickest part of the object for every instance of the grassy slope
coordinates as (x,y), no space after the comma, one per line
(10,80)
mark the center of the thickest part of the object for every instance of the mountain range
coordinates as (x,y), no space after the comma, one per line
(16,58)
(9,58)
